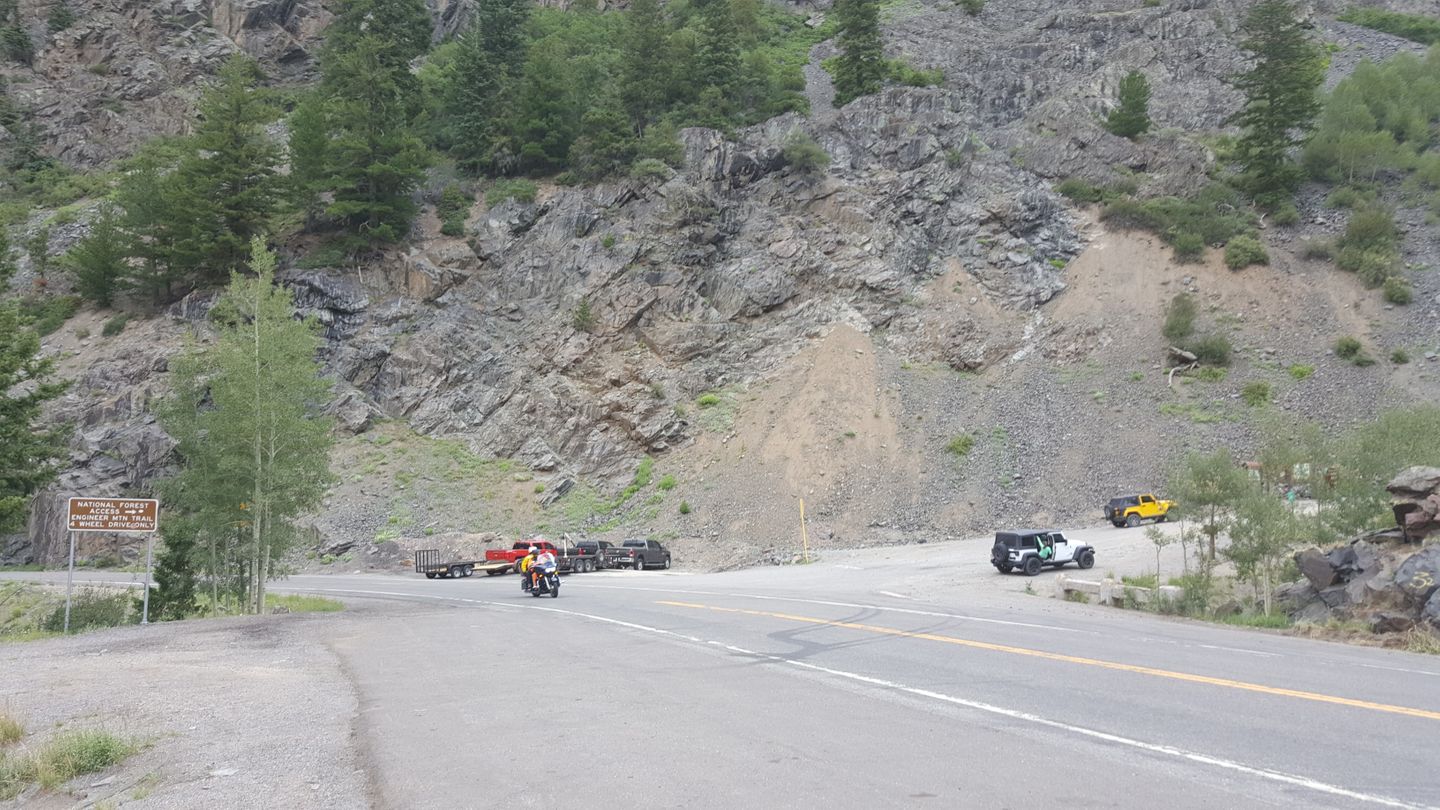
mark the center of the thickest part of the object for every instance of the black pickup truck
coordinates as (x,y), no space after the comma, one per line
(601,550)
(639,555)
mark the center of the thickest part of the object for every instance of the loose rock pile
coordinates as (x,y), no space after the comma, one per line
(1379,578)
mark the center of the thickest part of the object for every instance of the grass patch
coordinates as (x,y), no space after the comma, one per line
(1414,27)
(301,603)
(11,730)
(1317,249)
(1420,640)
(667,482)
(1179,319)
(522,191)
(717,410)
(73,753)
(47,314)
(1077,596)
(1349,348)
(1300,371)
(1199,414)
(684,507)
(1399,357)
(1140,581)
(1213,349)
(961,445)
(1256,393)
(114,326)
(1275,621)
(453,208)
(1209,374)
(1397,291)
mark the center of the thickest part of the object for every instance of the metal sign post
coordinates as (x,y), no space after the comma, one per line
(112,516)
(69,583)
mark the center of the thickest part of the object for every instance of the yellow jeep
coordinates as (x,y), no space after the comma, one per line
(1131,509)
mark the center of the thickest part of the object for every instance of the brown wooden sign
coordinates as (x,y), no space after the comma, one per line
(113,514)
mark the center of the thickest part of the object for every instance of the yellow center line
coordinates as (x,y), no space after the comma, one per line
(1075,659)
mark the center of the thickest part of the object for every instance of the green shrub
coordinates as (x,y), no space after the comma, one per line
(582,318)
(61,17)
(453,208)
(1179,319)
(1079,190)
(1362,359)
(1131,215)
(903,73)
(1345,197)
(114,326)
(684,507)
(802,152)
(1300,371)
(607,241)
(1243,251)
(47,314)
(1347,347)
(667,482)
(1317,249)
(954,158)
(1398,291)
(1216,214)
(960,445)
(708,400)
(522,191)
(972,7)
(650,169)
(1210,374)
(1150,3)
(1399,357)
(1213,349)
(1256,393)
(1189,247)
(1286,215)
(91,608)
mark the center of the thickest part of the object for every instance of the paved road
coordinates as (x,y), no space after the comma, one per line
(863,681)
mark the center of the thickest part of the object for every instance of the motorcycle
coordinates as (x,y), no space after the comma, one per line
(546,581)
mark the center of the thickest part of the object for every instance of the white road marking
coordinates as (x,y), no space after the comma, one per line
(895,595)
(1236,649)
(1104,736)
(1401,669)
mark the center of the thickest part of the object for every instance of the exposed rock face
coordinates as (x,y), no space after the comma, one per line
(707,279)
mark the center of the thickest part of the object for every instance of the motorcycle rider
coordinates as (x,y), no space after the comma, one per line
(544,565)
(526,564)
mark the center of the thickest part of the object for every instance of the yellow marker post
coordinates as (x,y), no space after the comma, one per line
(804,538)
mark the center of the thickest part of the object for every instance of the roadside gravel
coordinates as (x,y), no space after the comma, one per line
(234,713)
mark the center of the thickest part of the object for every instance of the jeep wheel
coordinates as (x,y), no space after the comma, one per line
(1032,566)
(1131,521)
(1085,559)
(1165,518)
(1004,568)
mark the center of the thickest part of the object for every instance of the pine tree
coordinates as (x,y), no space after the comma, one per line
(166,224)
(860,68)
(7,264)
(404,25)
(99,261)
(308,147)
(176,574)
(374,159)
(479,92)
(257,455)
(644,84)
(369,101)
(1132,117)
(28,454)
(233,164)
(718,62)
(1280,96)
(547,115)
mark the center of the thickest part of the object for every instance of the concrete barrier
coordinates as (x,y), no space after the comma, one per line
(1110,591)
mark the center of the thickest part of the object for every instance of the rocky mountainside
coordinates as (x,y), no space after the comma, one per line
(764,333)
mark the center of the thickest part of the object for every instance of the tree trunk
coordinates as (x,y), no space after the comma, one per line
(256,509)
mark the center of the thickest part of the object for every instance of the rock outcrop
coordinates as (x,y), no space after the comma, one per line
(1416,502)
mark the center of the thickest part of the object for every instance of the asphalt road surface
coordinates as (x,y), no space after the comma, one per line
(884,678)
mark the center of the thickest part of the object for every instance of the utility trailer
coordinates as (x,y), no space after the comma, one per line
(429,562)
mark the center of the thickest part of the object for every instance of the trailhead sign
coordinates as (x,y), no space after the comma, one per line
(113,514)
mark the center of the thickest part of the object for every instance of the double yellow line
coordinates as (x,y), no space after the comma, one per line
(1075,659)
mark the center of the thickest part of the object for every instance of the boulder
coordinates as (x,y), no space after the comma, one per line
(1430,614)
(1317,568)
(1419,576)
(1388,622)
(1416,502)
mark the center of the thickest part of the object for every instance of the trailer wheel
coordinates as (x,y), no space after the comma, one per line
(492,572)
(469,569)
(429,574)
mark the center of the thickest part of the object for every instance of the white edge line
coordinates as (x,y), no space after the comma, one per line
(1179,753)
(893,594)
